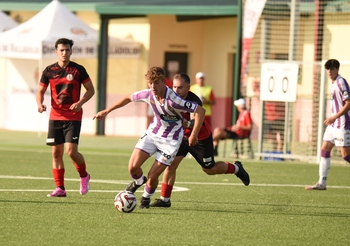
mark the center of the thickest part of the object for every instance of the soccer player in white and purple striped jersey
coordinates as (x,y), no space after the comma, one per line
(338,125)
(164,135)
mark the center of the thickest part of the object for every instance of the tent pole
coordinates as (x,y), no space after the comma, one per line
(102,71)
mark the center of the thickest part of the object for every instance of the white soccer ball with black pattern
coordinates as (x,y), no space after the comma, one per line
(125,201)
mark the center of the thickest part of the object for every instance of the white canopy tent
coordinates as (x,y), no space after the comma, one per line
(6,22)
(27,45)
(35,38)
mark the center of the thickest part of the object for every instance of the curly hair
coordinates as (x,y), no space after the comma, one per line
(155,73)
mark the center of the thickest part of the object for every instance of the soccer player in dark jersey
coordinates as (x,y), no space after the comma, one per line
(203,152)
(65,79)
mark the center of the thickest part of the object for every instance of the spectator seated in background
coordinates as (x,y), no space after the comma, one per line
(240,130)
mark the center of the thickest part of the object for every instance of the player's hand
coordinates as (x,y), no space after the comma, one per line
(76,107)
(234,128)
(192,140)
(100,115)
(184,123)
(329,121)
(42,108)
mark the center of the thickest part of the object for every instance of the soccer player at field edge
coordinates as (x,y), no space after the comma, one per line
(164,134)
(65,79)
(338,124)
(203,152)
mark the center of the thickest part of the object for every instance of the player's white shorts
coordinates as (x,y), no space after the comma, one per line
(165,149)
(338,137)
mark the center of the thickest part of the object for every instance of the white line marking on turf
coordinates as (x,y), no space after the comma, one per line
(67,179)
(123,182)
(43,190)
(90,191)
(31,150)
(176,188)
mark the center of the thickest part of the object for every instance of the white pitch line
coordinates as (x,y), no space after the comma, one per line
(32,150)
(66,179)
(123,182)
(43,190)
(175,188)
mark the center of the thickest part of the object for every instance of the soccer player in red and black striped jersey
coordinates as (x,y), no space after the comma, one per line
(65,79)
(203,151)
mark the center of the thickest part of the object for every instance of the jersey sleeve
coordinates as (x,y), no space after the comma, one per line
(84,75)
(344,89)
(141,96)
(182,104)
(194,98)
(44,80)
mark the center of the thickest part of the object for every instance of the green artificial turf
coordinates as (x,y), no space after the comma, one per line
(210,210)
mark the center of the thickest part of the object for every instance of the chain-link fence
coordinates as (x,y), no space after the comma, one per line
(308,33)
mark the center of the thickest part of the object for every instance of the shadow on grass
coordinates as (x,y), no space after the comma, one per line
(286,209)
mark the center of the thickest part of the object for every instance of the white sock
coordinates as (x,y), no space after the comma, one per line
(139,181)
(236,168)
(165,199)
(324,166)
(146,194)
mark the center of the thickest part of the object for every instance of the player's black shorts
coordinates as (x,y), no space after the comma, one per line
(231,135)
(62,131)
(203,151)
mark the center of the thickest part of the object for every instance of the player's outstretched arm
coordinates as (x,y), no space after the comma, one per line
(121,103)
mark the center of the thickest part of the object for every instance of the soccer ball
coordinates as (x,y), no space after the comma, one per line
(125,201)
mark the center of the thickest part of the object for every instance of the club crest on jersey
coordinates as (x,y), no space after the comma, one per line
(188,105)
(69,77)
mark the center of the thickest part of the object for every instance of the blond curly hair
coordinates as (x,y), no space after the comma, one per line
(155,73)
